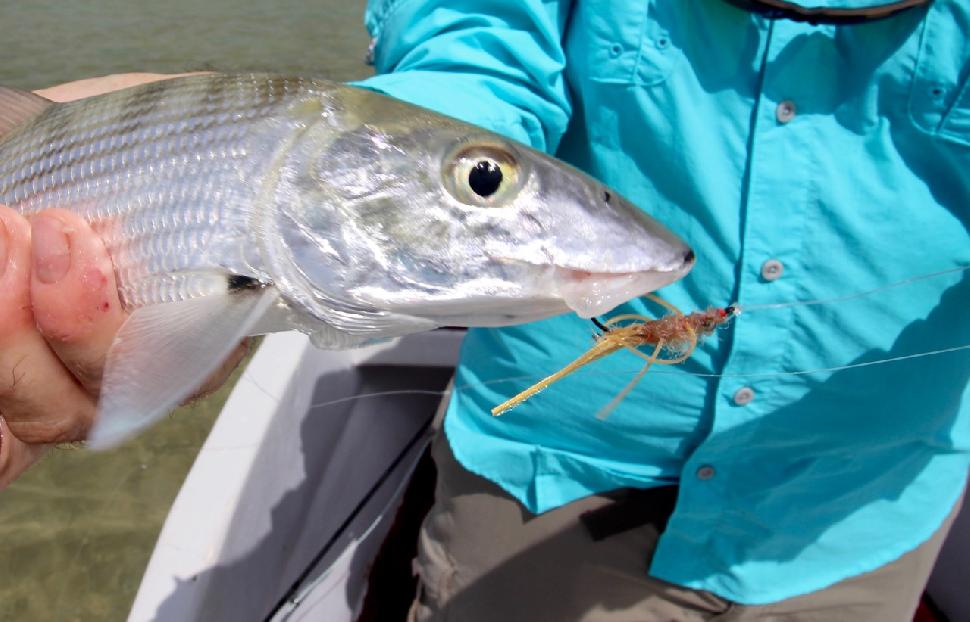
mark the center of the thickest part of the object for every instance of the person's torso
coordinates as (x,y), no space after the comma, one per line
(811,167)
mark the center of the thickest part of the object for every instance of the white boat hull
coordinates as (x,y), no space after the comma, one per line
(292,494)
(293,491)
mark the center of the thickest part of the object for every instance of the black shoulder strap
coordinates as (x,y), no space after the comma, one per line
(783,9)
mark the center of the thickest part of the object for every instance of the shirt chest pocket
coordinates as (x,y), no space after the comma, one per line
(621,41)
(940,98)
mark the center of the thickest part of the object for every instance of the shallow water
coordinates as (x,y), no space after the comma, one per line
(52,41)
(78,529)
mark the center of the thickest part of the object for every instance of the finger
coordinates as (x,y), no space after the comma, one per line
(75,299)
(40,400)
(88,87)
(16,456)
(73,294)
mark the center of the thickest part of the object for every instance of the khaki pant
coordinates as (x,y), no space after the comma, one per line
(484,557)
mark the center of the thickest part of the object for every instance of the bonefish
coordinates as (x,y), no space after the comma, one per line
(234,205)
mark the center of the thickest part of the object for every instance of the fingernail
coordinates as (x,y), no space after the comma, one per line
(4,247)
(52,254)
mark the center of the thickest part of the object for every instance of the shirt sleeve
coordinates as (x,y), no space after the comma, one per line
(494,63)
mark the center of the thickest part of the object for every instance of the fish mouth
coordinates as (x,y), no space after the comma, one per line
(594,293)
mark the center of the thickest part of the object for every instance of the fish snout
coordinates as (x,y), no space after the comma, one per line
(628,254)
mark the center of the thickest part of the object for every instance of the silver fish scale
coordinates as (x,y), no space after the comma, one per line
(166,173)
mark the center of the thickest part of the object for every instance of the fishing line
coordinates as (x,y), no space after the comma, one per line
(744,310)
(819,370)
(861,294)
(390,392)
(589,372)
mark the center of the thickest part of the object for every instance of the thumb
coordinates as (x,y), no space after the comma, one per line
(16,456)
(73,294)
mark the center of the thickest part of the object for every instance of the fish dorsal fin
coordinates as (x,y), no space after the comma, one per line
(164,352)
(18,107)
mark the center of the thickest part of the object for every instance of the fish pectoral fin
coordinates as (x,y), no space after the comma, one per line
(18,107)
(164,353)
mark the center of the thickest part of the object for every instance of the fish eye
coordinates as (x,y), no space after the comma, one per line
(485,175)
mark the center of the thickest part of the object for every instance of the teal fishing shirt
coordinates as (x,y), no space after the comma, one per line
(821,173)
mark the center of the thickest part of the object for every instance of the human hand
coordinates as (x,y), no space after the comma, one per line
(88,87)
(59,312)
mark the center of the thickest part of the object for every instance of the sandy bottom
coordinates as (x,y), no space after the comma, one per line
(78,529)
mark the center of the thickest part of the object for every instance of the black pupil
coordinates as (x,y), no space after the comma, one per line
(485,178)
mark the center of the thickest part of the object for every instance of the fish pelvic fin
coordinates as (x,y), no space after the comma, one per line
(18,107)
(163,353)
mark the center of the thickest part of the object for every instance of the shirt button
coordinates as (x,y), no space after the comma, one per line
(615,50)
(785,111)
(771,270)
(744,396)
(705,472)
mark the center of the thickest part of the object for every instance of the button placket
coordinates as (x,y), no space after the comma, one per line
(769,229)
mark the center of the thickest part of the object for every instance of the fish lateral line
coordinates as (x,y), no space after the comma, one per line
(676,333)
